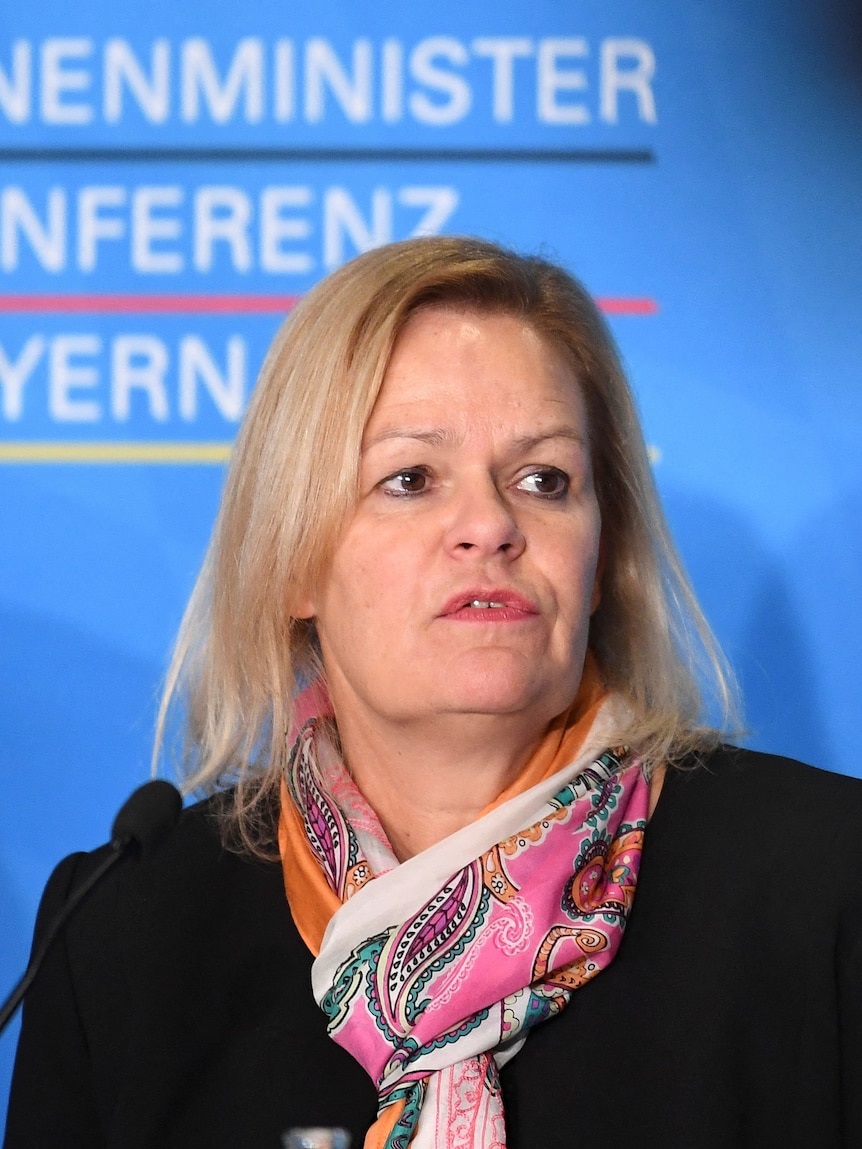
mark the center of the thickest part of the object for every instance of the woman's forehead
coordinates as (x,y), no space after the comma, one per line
(444,334)
(454,367)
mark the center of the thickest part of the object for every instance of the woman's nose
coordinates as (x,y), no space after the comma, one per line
(483,522)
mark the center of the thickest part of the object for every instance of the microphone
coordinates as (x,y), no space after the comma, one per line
(144,821)
(147,817)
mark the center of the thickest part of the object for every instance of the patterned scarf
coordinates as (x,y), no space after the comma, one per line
(432,971)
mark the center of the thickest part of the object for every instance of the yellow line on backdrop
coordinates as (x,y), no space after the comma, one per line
(107,452)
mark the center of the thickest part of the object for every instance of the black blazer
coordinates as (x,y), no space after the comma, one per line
(177,1012)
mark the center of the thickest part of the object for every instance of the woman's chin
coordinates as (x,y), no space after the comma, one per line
(505,687)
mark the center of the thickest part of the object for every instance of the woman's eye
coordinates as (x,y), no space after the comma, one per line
(410,482)
(548,482)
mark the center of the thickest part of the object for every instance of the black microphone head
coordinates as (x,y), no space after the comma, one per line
(148,816)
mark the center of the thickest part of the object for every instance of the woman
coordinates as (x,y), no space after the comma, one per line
(442,668)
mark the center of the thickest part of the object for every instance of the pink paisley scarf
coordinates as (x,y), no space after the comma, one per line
(432,971)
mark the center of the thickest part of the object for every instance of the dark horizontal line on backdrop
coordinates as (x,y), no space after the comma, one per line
(332,155)
(221,304)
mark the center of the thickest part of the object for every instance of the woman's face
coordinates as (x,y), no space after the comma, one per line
(465,580)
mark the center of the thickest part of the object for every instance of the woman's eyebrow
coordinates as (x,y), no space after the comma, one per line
(434,436)
(526,442)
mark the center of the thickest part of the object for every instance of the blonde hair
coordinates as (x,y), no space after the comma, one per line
(242,652)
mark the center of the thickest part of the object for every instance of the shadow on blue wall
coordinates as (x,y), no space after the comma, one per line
(744,594)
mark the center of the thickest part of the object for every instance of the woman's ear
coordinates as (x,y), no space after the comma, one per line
(302,606)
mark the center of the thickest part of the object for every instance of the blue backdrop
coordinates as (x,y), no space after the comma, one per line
(171,178)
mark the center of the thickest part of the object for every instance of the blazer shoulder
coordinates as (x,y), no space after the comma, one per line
(735,766)
(738,791)
(192,867)
(197,840)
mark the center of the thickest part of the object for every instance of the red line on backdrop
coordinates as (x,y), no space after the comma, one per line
(627,306)
(222,304)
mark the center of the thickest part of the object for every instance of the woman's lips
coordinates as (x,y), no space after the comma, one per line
(489,605)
